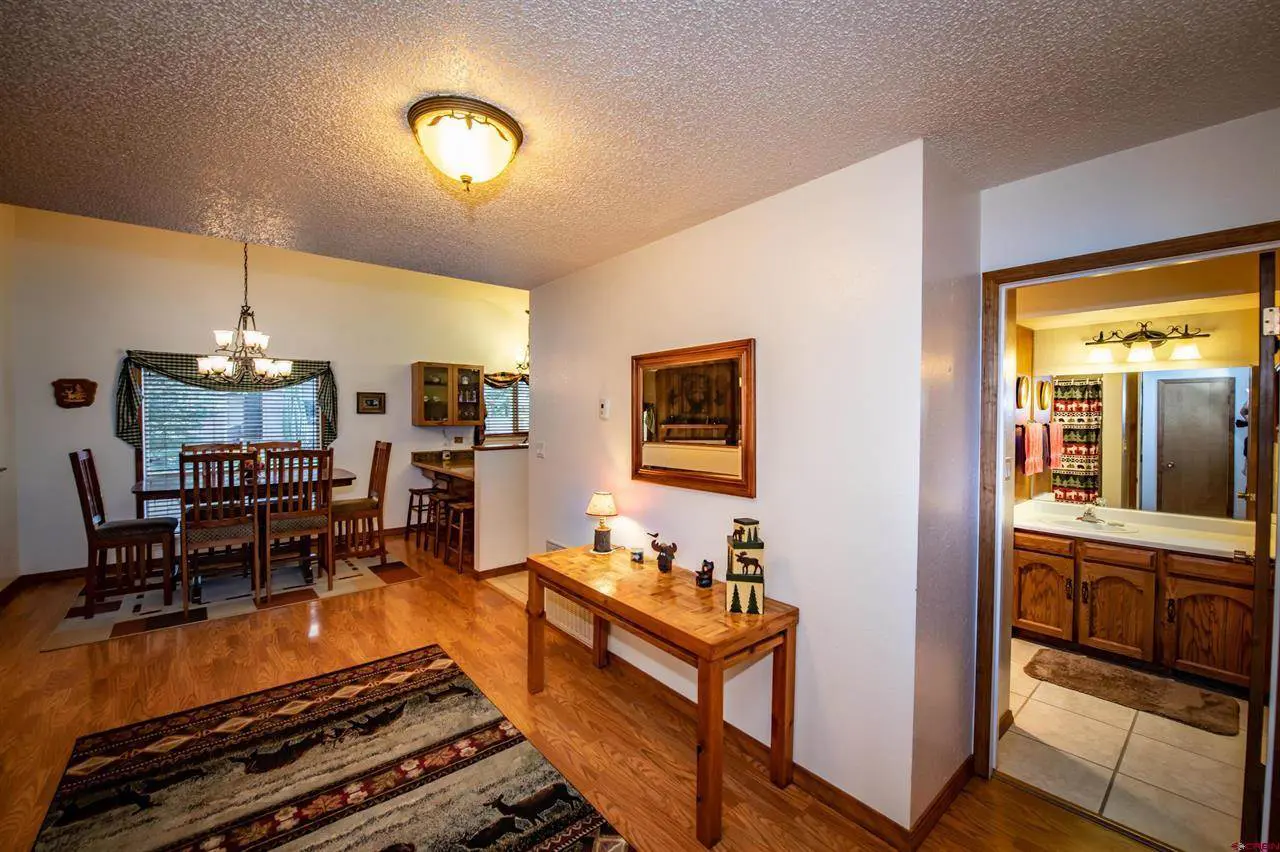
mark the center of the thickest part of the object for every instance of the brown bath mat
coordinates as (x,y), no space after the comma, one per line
(1208,711)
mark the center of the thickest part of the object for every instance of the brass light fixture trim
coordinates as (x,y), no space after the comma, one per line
(470,110)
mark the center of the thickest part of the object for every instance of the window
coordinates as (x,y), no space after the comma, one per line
(174,414)
(506,410)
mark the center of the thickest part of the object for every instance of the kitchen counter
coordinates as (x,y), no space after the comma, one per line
(457,471)
(1219,537)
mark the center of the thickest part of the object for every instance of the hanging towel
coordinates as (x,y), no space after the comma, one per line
(1035,449)
(1056,443)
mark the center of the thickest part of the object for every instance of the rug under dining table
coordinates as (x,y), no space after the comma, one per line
(223,595)
(403,754)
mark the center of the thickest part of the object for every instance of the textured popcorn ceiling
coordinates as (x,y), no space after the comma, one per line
(283,122)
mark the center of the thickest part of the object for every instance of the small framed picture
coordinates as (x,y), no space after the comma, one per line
(371,402)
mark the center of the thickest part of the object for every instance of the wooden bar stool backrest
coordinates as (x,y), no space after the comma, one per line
(298,483)
(86,473)
(217,488)
(378,475)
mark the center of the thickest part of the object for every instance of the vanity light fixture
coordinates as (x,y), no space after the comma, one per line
(1141,351)
(465,139)
(1143,343)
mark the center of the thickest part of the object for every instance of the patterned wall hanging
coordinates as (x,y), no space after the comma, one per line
(1077,405)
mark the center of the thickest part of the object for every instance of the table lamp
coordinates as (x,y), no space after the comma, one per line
(602,506)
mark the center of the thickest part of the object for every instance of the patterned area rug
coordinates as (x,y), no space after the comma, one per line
(404,754)
(222,596)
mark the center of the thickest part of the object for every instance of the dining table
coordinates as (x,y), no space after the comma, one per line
(165,486)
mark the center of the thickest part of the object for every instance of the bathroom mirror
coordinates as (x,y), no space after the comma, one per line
(1166,441)
(693,418)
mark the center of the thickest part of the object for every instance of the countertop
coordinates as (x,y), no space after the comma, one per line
(457,471)
(1161,531)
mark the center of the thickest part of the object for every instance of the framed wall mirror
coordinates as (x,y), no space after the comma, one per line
(693,418)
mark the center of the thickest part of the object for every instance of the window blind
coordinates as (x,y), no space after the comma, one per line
(174,414)
(506,410)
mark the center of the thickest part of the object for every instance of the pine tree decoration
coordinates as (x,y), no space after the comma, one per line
(745,572)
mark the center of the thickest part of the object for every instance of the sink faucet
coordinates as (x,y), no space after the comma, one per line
(1090,515)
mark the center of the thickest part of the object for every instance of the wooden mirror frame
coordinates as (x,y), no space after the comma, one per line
(744,351)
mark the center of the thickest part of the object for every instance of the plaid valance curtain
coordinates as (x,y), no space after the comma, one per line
(505,380)
(182,368)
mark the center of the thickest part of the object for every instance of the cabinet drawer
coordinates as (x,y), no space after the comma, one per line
(1042,543)
(1208,568)
(1133,557)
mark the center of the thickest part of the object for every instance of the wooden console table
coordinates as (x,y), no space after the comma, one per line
(671,613)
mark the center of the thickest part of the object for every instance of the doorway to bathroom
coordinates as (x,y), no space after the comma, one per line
(1124,615)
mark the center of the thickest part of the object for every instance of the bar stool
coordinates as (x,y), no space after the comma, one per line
(459,513)
(417,514)
(437,520)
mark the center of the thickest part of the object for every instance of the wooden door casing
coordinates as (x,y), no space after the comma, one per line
(1043,593)
(1115,610)
(1208,629)
(1195,446)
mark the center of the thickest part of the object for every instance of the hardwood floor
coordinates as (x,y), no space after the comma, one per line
(623,740)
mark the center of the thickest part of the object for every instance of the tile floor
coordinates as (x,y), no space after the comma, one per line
(1176,783)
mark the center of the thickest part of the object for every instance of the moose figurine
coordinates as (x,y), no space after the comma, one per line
(702,578)
(666,553)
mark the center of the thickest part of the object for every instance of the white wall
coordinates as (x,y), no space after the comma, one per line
(827,278)
(8,479)
(946,604)
(87,290)
(1223,176)
(502,508)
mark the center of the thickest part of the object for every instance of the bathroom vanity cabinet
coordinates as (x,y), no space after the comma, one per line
(1173,610)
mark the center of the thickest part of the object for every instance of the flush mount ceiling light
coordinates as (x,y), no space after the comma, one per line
(466,139)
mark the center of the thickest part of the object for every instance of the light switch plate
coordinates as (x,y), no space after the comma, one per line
(605,408)
(540,449)
(1008,467)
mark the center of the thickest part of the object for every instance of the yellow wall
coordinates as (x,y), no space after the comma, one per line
(1219,276)
(1234,343)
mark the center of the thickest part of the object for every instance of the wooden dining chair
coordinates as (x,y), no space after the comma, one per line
(263,446)
(132,541)
(212,448)
(218,493)
(358,523)
(298,501)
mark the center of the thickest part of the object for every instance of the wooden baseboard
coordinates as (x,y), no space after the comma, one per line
(27,581)
(897,836)
(920,830)
(497,572)
(1006,722)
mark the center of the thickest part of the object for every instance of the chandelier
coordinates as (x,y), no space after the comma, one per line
(243,351)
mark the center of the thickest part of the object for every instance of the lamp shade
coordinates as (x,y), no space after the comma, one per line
(602,505)
(1188,351)
(468,140)
(1100,355)
(1141,352)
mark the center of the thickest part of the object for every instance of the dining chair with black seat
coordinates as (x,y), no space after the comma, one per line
(297,489)
(358,523)
(133,541)
(218,493)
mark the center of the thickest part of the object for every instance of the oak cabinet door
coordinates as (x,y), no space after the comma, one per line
(1116,610)
(1043,588)
(1208,628)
